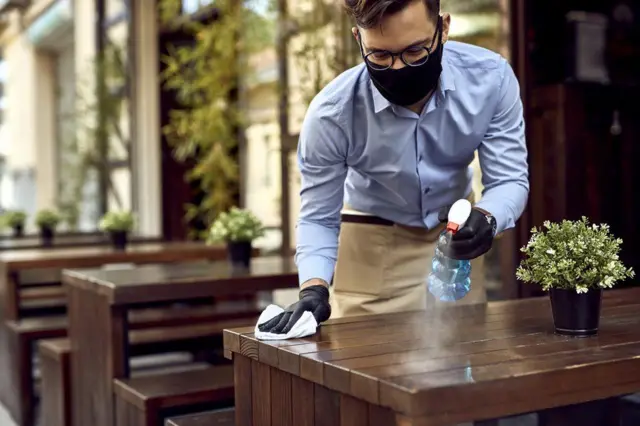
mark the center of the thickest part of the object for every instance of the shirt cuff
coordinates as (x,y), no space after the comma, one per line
(310,267)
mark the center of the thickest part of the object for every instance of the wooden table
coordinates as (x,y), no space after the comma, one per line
(453,365)
(14,262)
(98,305)
(32,242)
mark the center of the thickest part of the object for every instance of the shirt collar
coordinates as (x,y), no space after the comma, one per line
(447,82)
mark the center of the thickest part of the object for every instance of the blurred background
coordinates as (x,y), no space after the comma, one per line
(177,110)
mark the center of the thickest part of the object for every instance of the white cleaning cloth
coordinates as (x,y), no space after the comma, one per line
(306,325)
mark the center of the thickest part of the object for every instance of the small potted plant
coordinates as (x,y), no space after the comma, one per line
(574,261)
(237,228)
(15,219)
(47,220)
(118,225)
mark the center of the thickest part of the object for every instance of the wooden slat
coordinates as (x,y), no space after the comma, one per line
(212,418)
(243,390)
(261,394)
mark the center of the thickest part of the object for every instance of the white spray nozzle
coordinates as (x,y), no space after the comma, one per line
(458,215)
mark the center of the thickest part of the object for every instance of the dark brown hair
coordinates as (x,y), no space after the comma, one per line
(369,13)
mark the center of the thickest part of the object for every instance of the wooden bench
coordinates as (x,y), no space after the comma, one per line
(146,401)
(211,418)
(55,387)
(20,336)
(153,330)
(113,294)
(169,330)
(42,301)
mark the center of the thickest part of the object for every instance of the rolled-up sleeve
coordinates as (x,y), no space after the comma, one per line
(503,156)
(322,151)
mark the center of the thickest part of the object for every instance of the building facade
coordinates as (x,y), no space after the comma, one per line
(49,54)
(48,68)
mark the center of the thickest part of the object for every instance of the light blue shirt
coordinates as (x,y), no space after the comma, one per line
(382,159)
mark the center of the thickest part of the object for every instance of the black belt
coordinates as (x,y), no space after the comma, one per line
(365,219)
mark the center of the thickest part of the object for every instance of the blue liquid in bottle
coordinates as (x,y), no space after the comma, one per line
(449,279)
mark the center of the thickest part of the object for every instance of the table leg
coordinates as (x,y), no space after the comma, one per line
(243,390)
(12,297)
(98,334)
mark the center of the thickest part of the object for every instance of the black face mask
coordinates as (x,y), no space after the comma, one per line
(408,85)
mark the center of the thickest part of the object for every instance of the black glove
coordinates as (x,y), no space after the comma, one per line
(314,299)
(472,240)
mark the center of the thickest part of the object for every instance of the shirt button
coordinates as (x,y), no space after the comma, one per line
(426,190)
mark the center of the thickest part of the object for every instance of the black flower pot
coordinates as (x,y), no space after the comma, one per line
(576,314)
(46,235)
(239,253)
(18,231)
(119,239)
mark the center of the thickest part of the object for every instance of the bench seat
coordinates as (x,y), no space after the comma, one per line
(56,376)
(18,361)
(211,418)
(146,401)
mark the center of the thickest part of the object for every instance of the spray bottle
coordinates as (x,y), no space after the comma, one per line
(449,279)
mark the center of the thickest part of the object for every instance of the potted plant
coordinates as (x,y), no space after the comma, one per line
(574,261)
(15,219)
(118,225)
(47,220)
(237,228)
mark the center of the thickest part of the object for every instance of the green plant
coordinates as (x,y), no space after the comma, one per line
(236,225)
(317,60)
(117,221)
(47,218)
(206,77)
(14,218)
(573,255)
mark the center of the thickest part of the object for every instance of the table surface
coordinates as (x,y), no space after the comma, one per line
(463,363)
(93,256)
(160,282)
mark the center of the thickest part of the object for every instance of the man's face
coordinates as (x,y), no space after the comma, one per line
(412,26)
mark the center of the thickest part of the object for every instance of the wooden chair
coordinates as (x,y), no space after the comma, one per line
(211,418)
(146,401)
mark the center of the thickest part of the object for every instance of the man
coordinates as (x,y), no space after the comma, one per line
(386,148)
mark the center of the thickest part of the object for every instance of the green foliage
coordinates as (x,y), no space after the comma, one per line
(13,218)
(318,61)
(117,221)
(573,255)
(206,77)
(235,225)
(47,218)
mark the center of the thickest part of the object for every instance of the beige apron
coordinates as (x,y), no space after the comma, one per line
(384,268)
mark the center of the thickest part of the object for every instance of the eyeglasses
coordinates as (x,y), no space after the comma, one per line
(412,56)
